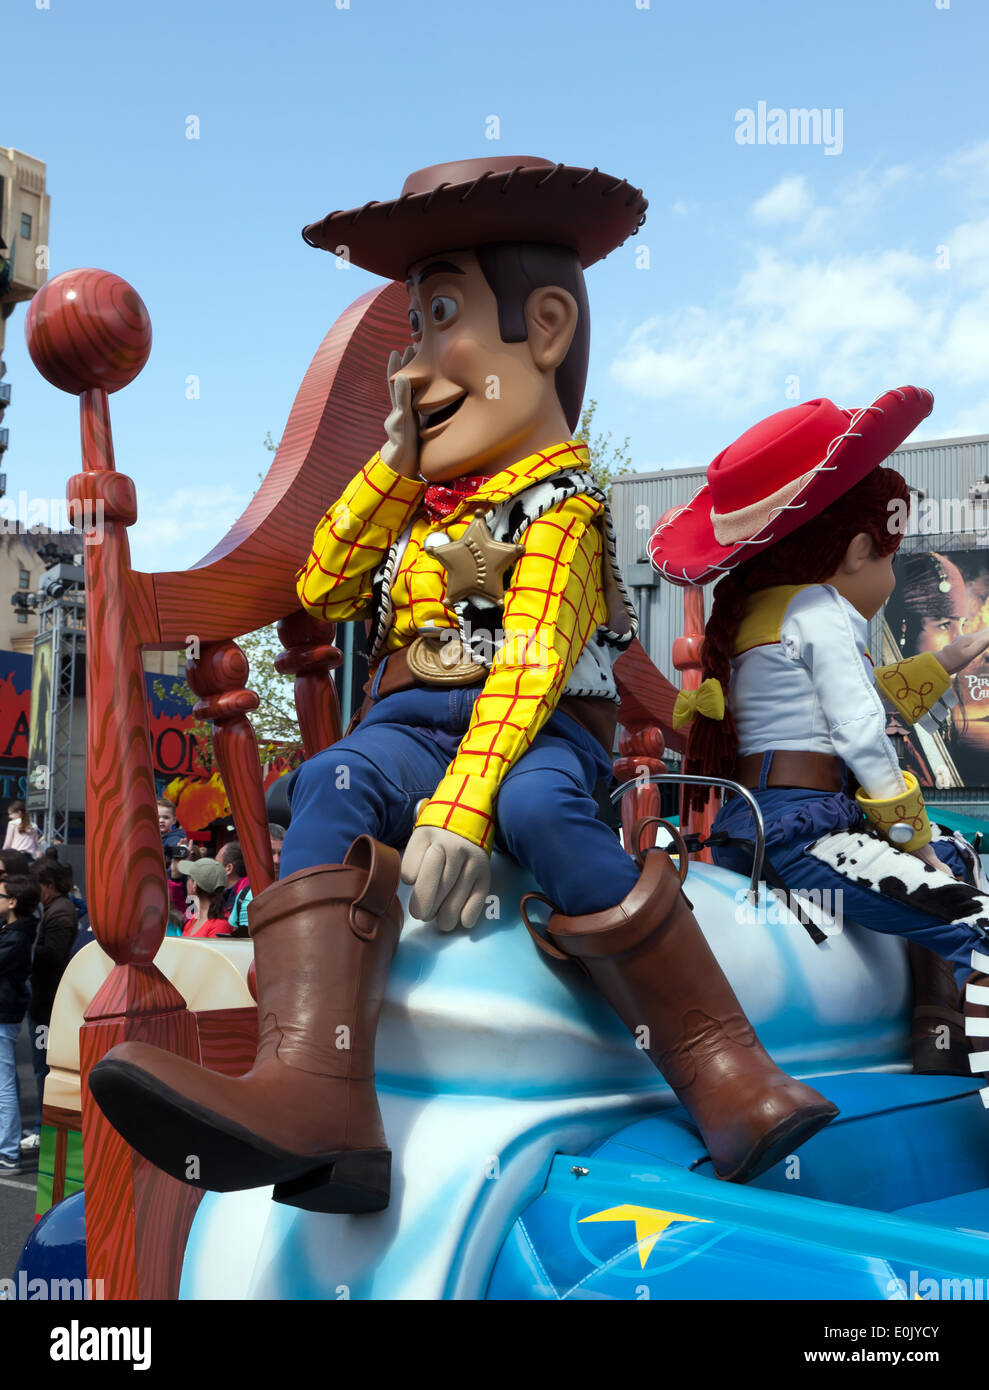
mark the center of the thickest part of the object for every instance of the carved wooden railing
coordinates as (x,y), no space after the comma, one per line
(89,334)
(687,659)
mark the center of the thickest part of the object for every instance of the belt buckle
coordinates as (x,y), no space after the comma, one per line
(436,659)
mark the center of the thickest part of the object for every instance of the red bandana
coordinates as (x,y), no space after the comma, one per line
(442,498)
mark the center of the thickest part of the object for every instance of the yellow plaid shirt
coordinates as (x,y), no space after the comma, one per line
(552,608)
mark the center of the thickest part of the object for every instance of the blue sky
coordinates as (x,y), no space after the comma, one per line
(767,262)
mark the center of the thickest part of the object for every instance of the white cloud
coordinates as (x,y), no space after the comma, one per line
(791,206)
(840,324)
(788,201)
(680,208)
(177,528)
(971,168)
(824,322)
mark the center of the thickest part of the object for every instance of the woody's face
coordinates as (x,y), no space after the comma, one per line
(479,403)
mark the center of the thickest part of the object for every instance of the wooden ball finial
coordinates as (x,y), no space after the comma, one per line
(87,329)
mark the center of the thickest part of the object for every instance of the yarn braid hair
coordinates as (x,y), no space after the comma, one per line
(809,555)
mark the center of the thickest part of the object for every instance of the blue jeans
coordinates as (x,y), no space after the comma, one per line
(546,816)
(39,1061)
(10,1093)
(796,818)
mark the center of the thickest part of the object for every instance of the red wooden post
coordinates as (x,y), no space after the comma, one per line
(687,659)
(89,333)
(641,752)
(219,678)
(309,655)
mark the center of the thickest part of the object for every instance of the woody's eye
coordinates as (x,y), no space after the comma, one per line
(415,320)
(442,308)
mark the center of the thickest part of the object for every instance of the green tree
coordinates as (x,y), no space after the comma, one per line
(608,461)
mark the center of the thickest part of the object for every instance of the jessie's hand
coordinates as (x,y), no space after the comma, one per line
(401,452)
(930,858)
(451,877)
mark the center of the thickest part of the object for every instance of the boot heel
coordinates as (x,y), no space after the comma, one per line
(355,1181)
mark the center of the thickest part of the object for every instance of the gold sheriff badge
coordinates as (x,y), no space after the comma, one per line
(475,566)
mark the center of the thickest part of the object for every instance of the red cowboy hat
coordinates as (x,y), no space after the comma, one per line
(778,475)
(474,202)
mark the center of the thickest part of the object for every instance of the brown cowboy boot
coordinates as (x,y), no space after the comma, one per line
(305,1117)
(937,1032)
(648,957)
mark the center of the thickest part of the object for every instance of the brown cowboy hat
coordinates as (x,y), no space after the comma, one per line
(474,202)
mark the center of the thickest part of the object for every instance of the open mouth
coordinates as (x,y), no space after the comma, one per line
(429,420)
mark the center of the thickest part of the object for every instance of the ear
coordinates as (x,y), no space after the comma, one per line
(551,320)
(860,549)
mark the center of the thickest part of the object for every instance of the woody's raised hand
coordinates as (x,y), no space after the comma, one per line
(963,650)
(401,452)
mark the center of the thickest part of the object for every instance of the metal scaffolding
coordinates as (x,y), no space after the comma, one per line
(62,628)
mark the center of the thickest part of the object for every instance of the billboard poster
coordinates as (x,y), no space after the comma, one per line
(15,716)
(40,729)
(938,596)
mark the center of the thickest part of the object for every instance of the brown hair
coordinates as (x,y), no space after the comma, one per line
(20,809)
(808,555)
(234,856)
(51,873)
(216,902)
(514,269)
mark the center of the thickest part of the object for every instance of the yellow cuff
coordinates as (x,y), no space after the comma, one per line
(463,805)
(379,496)
(913,686)
(906,808)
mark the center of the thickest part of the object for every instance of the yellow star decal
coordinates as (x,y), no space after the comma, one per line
(649,1224)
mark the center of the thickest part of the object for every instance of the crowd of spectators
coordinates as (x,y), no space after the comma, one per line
(40,915)
(208,895)
(43,922)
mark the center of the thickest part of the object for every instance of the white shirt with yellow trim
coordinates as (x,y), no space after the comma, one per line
(805,682)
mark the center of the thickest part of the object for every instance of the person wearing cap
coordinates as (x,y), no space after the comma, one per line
(206,880)
(481,550)
(798,522)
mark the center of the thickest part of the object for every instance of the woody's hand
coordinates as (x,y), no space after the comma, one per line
(401,452)
(451,877)
(963,650)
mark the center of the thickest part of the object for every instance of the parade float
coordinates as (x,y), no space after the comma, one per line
(536,1152)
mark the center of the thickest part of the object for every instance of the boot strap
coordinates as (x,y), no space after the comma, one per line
(618,928)
(537,930)
(383,866)
(683,855)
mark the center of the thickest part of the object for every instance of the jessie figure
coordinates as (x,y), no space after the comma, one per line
(797,517)
(481,551)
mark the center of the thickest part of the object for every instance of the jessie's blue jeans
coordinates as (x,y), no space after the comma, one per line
(795,819)
(546,816)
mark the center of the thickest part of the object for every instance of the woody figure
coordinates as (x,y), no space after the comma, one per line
(480,549)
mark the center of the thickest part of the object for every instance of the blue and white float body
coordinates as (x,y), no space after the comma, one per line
(491,1059)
